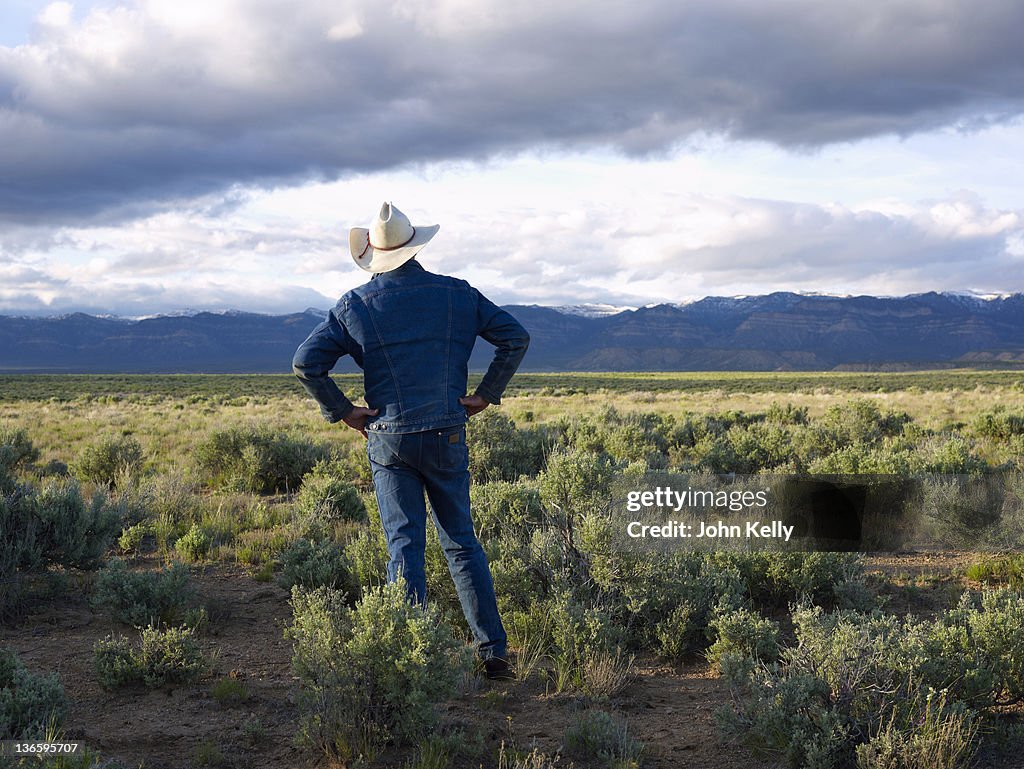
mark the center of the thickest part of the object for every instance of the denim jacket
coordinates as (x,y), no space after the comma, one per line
(411,332)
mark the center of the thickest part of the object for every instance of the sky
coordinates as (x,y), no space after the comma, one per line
(168,155)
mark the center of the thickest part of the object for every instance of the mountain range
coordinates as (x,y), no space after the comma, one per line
(778,331)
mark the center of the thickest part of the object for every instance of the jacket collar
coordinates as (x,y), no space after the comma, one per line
(406,269)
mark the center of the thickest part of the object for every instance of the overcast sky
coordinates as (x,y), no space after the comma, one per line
(160,155)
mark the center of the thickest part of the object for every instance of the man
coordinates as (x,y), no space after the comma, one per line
(412,332)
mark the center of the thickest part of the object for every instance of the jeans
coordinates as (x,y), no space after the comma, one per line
(435,461)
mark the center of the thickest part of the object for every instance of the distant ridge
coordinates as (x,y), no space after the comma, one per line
(778,331)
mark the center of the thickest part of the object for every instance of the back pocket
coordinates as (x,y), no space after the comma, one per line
(452,451)
(382,449)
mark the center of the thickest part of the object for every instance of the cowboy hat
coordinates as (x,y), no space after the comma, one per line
(390,241)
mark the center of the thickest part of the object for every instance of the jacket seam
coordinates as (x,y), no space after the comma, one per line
(387,357)
(447,348)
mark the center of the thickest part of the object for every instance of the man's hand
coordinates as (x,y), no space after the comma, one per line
(473,404)
(356,418)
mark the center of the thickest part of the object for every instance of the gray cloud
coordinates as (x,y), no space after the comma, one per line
(129,109)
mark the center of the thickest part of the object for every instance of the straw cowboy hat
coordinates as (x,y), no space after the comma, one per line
(390,241)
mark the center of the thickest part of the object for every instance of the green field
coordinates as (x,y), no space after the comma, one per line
(72,386)
(884,660)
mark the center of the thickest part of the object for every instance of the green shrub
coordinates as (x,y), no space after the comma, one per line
(370,674)
(670,601)
(108,460)
(963,511)
(194,546)
(867,459)
(169,656)
(256,460)
(976,649)
(28,701)
(775,579)
(140,598)
(114,661)
(955,456)
(998,425)
(598,734)
(576,481)
(502,504)
(744,632)
(316,564)
(132,538)
(500,452)
(326,497)
(998,570)
(229,691)
(164,657)
(583,635)
(934,734)
(68,530)
(367,556)
(879,689)
(16,450)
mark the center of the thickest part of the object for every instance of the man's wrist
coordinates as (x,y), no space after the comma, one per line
(342,414)
(488,396)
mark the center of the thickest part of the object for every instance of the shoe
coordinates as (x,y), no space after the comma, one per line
(499,669)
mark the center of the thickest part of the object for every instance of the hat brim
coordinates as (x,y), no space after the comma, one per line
(378,260)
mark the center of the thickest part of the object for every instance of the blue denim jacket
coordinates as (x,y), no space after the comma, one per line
(411,332)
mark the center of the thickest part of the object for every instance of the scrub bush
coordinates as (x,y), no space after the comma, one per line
(744,632)
(316,564)
(164,657)
(500,452)
(327,498)
(133,537)
(367,556)
(370,674)
(773,579)
(16,451)
(880,690)
(28,701)
(671,601)
(48,527)
(583,634)
(109,460)
(935,735)
(140,598)
(998,425)
(598,734)
(576,481)
(74,532)
(501,504)
(256,460)
(963,511)
(194,546)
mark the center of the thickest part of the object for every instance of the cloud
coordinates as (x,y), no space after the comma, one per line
(152,101)
(621,248)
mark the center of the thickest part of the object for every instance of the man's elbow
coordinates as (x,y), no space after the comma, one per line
(524,340)
(300,366)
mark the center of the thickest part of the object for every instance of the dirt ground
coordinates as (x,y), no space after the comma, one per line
(670,710)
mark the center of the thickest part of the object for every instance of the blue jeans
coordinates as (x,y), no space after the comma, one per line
(435,461)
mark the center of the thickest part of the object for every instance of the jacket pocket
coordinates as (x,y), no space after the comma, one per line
(452,451)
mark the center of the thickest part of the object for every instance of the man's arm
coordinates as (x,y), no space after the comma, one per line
(510,340)
(312,363)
